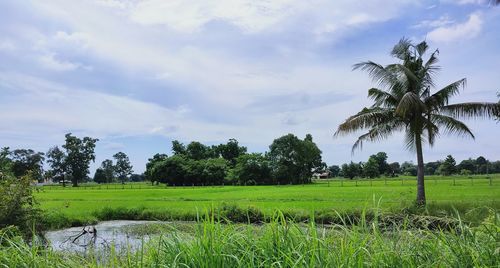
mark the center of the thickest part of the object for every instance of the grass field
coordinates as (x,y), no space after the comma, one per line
(83,204)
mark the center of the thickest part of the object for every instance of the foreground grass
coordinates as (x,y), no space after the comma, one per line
(282,243)
(76,206)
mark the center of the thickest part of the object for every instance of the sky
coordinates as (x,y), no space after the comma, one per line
(139,74)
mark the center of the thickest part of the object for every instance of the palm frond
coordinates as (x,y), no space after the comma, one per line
(451,125)
(432,130)
(401,49)
(379,74)
(377,133)
(367,118)
(472,109)
(421,48)
(442,97)
(382,98)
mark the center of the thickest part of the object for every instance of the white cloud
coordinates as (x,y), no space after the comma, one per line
(442,21)
(190,16)
(467,30)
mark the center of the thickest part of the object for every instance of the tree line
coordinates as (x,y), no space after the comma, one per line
(68,163)
(377,166)
(290,160)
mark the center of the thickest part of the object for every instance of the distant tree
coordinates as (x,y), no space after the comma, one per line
(214,171)
(56,159)
(137,177)
(171,170)
(431,168)
(26,161)
(334,170)
(351,170)
(371,167)
(178,148)
(495,167)
(231,151)
(465,172)
(79,152)
(383,166)
(123,168)
(408,168)
(252,168)
(448,166)
(100,176)
(468,164)
(196,151)
(150,165)
(394,168)
(108,169)
(481,165)
(293,160)
(5,161)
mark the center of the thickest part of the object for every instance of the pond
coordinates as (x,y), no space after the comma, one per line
(120,235)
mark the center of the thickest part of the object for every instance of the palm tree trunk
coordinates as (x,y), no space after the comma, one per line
(420,171)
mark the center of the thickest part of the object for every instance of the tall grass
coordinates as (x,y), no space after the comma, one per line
(283,243)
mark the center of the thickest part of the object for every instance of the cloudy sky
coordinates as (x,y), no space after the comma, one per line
(138,74)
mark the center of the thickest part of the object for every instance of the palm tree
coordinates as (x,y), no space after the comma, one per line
(404,102)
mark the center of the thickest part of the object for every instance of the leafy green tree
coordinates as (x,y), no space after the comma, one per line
(371,167)
(405,103)
(351,170)
(178,148)
(123,168)
(394,168)
(408,168)
(231,151)
(108,169)
(197,151)
(465,172)
(5,161)
(448,166)
(26,161)
(57,162)
(334,170)
(431,168)
(481,165)
(293,160)
(137,177)
(252,168)
(171,170)
(151,163)
(100,176)
(383,166)
(468,164)
(214,171)
(79,154)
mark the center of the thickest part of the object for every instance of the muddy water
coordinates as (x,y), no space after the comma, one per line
(108,234)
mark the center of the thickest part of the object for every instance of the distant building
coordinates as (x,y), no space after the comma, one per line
(321,175)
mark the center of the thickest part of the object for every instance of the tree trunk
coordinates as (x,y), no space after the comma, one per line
(420,171)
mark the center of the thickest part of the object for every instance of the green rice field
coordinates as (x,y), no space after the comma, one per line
(84,203)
